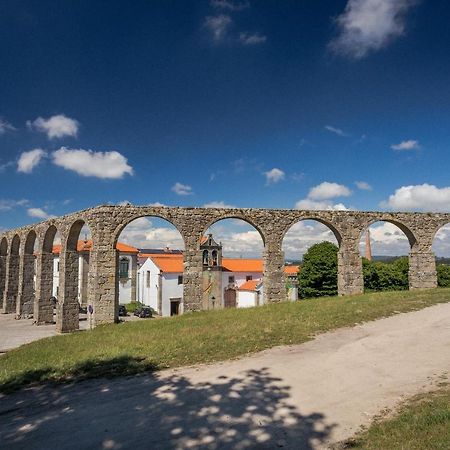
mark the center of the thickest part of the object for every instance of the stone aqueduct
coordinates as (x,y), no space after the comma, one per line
(26,285)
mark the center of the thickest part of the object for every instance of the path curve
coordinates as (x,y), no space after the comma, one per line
(304,396)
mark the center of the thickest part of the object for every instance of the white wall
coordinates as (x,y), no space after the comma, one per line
(171,290)
(148,292)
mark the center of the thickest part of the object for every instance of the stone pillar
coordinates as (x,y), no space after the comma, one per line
(11,284)
(274,282)
(67,310)
(422,270)
(134,262)
(103,281)
(43,306)
(25,297)
(2,279)
(193,275)
(350,274)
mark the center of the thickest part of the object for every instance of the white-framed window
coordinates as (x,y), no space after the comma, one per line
(124,267)
(147,279)
(231,279)
(180,279)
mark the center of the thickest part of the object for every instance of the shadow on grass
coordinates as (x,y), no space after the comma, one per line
(164,411)
(115,367)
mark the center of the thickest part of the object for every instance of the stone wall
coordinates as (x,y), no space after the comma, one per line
(107,222)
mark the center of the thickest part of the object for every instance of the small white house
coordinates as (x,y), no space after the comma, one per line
(250,294)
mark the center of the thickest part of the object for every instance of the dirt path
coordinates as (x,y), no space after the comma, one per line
(304,396)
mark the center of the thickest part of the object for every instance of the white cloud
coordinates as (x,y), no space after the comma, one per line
(247,38)
(385,239)
(274,175)
(182,189)
(57,126)
(307,203)
(7,204)
(229,5)
(92,164)
(5,126)
(151,233)
(38,213)
(218,26)
(369,25)
(422,197)
(29,160)
(363,185)
(220,204)
(328,190)
(335,130)
(302,235)
(406,145)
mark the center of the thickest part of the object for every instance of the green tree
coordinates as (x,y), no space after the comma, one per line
(443,275)
(382,276)
(318,274)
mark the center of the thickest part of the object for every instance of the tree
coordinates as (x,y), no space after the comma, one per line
(318,274)
(382,276)
(443,275)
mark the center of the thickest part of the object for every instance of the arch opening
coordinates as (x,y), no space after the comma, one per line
(3,260)
(11,289)
(47,277)
(441,250)
(27,289)
(150,267)
(72,284)
(232,265)
(310,249)
(385,248)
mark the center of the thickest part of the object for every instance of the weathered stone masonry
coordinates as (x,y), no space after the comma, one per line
(17,272)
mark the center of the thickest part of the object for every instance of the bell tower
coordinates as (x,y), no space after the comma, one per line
(211,253)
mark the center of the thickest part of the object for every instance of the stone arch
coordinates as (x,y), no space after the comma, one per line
(12,276)
(3,260)
(400,278)
(240,216)
(15,245)
(72,290)
(26,296)
(145,283)
(406,230)
(334,229)
(289,274)
(45,278)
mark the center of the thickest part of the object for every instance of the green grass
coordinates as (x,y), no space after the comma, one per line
(154,344)
(421,423)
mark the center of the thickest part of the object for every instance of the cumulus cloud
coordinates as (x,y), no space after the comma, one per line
(218,26)
(328,190)
(229,5)
(335,130)
(406,145)
(58,126)
(182,189)
(386,239)
(29,160)
(88,163)
(363,185)
(5,126)
(220,204)
(38,213)
(369,25)
(274,176)
(422,197)
(302,235)
(326,205)
(152,233)
(247,38)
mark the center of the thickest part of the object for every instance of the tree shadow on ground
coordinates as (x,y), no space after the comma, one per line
(161,411)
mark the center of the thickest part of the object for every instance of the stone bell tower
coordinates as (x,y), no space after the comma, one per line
(211,253)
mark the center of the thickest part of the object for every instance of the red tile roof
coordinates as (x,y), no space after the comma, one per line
(250,285)
(87,246)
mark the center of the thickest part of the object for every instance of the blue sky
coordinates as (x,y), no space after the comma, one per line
(243,103)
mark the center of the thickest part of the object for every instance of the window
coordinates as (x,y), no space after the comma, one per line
(180,279)
(57,266)
(147,280)
(205,257)
(124,266)
(248,278)
(231,279)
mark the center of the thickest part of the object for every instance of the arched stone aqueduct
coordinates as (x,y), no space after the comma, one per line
(18,253)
